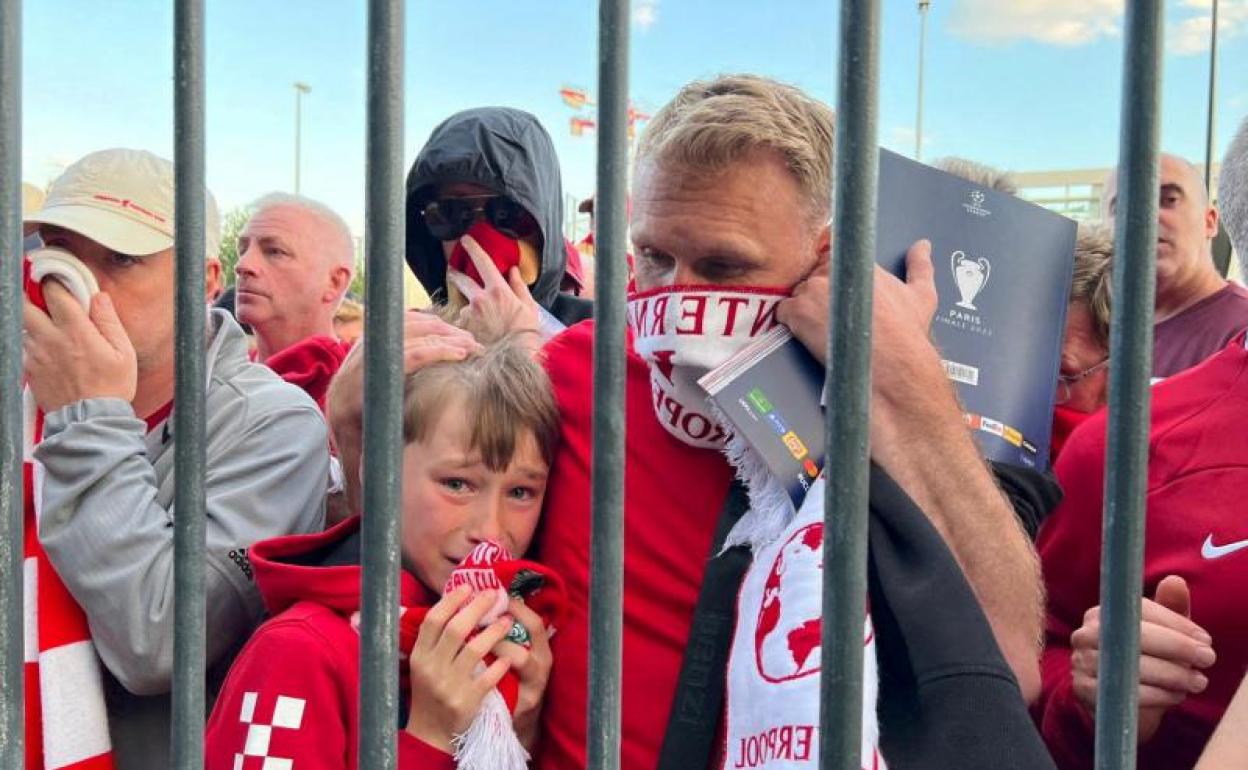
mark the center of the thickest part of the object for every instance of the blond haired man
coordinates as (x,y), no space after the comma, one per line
(100,375)
(730,227)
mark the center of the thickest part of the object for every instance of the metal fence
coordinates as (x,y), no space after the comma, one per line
(847,429)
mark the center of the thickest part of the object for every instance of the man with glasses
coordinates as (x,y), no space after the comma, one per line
(490,174)
(1193,642)
(1083,381)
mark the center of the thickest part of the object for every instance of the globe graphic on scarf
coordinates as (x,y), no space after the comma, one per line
(787,639)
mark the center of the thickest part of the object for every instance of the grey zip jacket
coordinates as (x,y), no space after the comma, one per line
(106,524)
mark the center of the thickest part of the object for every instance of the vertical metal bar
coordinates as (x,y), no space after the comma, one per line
(189,413)
(383,388)
(606,597)
(12,705)
(849,345)
(1211,120)
(1131,353)
(924,5)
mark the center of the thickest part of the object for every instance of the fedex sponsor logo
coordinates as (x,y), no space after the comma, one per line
(711,313)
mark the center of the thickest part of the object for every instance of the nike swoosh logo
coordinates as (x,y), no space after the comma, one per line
(1211,551)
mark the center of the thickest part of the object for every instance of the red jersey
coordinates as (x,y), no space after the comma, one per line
(1182,341)
(672,501)
(291,697)
(1195,527)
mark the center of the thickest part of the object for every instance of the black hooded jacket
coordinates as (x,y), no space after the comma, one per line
(508,151)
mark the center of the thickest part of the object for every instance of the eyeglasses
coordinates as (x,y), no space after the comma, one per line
(1067,381)
(449,218)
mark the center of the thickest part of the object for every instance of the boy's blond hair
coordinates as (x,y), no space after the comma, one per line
(505,392)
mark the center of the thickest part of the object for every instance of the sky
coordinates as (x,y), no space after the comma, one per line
(1025,85)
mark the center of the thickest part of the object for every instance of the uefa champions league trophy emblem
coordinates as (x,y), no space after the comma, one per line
(970,276)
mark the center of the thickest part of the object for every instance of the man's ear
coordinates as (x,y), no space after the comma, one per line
(1211,223)
(339,280)
(823,243)
(213,285)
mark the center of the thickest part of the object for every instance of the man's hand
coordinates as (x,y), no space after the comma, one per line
(502,300)
(901,310)
(446,689)
(1173,650)
(532,666)
(427,339)
(70,354)
(919,438)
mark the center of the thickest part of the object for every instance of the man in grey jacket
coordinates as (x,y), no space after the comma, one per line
(103,376)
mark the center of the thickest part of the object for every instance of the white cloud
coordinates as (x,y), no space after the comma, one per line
(1056,22)
(646,13)
(1189,34)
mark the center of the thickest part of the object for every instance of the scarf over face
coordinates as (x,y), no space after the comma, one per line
(66,717)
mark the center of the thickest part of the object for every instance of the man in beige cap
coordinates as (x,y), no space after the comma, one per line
(99,365)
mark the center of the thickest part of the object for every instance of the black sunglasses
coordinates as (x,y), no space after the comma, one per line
(449,218)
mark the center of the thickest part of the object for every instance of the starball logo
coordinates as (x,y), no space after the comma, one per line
(976,204)
(970,277)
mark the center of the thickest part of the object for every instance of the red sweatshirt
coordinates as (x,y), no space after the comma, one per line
(672,501)
(1198,471)
(293,692)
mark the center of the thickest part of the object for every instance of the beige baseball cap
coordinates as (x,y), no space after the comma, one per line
(121,199)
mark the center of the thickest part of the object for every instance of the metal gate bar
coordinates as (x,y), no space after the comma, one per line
(1131,353)
(606,588)
(849,380)
(12,637)
(383,387)
(189,538)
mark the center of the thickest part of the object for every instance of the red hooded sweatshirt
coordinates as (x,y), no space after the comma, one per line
(310,363)
(292,693)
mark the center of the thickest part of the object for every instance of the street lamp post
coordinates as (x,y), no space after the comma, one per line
(918,121)
(300,90)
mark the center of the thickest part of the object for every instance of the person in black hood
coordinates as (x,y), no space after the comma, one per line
(492,173)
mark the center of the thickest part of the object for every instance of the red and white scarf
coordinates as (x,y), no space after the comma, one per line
(66,718)
(683,332)
(490,742)
(774,665)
